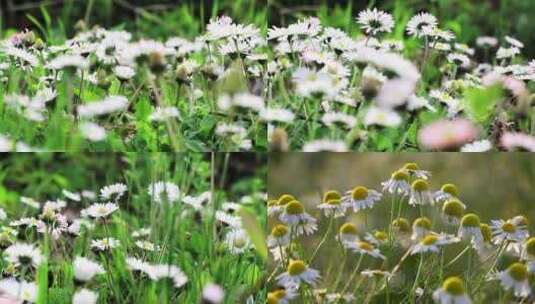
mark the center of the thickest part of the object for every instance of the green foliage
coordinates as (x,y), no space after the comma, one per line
(481,102)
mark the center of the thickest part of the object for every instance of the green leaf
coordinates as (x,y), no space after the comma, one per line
(480,102)
(255,231)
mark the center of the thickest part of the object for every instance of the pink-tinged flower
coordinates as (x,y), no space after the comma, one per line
(447,134)
(514,141)
(517,87)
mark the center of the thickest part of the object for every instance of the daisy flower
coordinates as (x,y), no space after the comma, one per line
(281,296)
(115,190)
(146,245)
(470,228)
(447,192)
(348,234)
(237,241)
(297,273)
(164,191)
(420,194)
(382,117)
(402,226)
(85,269)
(377,238)
(162,271)
(420,228)
(361,198)
(415,171)
(22,254)
(98,211)
(477,146)
(294,214)
(85,296)
(325,145)
(515,277)
(105,244)
(106,106)
(432,243)
(333,206)
(362,247)
(213,294)
(452,292)
(22,291)
(421,25)
(374,21)
(398,183)
(507,231)
(279,237)
(453,211)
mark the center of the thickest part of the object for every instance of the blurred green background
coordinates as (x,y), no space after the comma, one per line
(495,185)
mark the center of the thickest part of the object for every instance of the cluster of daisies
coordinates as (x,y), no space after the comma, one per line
(334,92)
(49,233)
(106,84)
(294,252)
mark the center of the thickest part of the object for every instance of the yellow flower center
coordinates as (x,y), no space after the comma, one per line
(518,272)
(423,222)
(272,203)
(285,199)
(429,240)
(486,232)
(508,227)
(453,208)
(280,294)
(380,235)
(365,246)
(279,231)
(400,175)
(420,185)
(296,267)
(272,299)
(450,189)
(348,228)
(530,246)
(470,220)
(294,207)
(402,224)
(333,202)
(330,195)
(239,242)
(454,286)
(359,193)
(411,166)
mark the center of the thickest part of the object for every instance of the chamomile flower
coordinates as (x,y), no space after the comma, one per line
(421,25)
(281,296)
(361,198)
(298,273)
(237,241)
(420,194)
(377,238)
(515,277)
(23,255)
(85,296)
(294,214)
(470,228)
(374,21)
(362,247)
(420,228)
(22,291)
(115,191)
(415,171)
(213,294)
(85,269)
(99,211)
(447,192)
(105,244)
(453,211)
(507,231)
(164,192)
(382,117)
(398,183)
(279,237)
(432,243)
(157,272)
(348,234)
(402,226)
(146,245)
(332,207)
(452,292)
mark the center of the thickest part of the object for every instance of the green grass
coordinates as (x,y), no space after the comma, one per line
(193,241)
